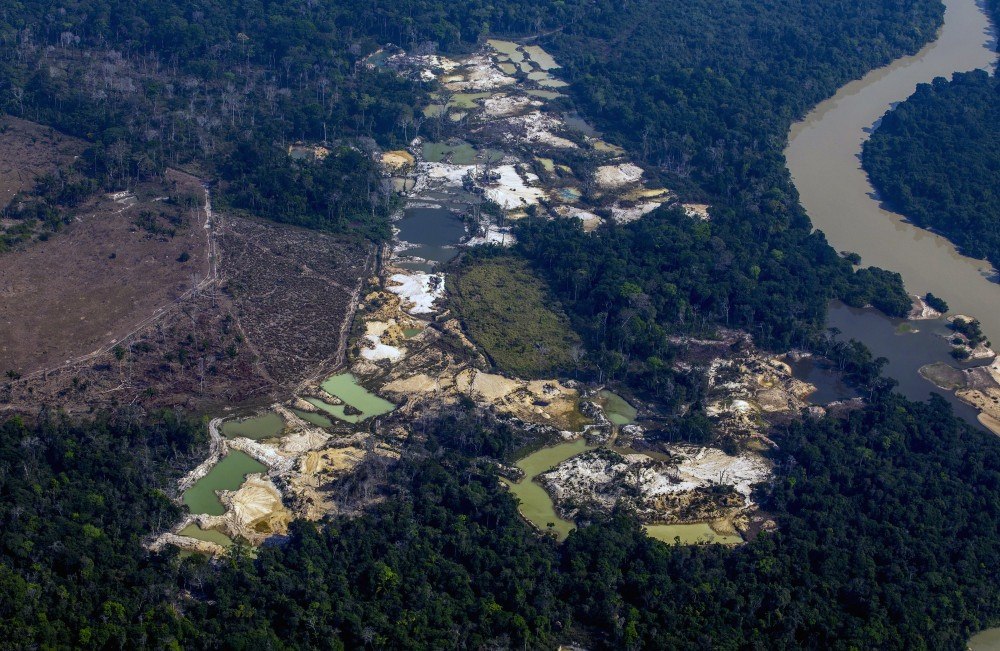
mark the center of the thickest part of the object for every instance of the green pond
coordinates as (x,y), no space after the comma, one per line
(541,57)
(314,418)
(411,332)
(228,474)
(461,153)
(508,48)
(457,101)
(434,110)
(616,408)
(466,100)
(689,534)
(552,83)
(209,535)
(988,640)
(257,428)
(544,94)
(536,505)
(345,386)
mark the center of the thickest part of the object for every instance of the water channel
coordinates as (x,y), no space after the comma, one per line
(823,158)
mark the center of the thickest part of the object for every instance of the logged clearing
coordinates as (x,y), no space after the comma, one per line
(509,312)
(95,281)
(29,151)
(295,292)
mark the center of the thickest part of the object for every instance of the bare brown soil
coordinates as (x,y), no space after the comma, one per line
(96,280)
(247,328)
(29,151)
(295,292)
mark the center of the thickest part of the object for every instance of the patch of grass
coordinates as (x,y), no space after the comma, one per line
(511,314)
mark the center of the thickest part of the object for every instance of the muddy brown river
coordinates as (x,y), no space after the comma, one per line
(822,156)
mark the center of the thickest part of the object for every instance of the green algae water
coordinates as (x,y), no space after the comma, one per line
(228,474)
(208,535)
(345,386)
(257,428)
(616,408)
(689,534)
(314,418)
(536,505)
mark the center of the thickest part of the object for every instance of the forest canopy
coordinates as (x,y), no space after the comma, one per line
(936,159)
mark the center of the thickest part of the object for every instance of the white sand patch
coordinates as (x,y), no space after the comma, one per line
(512,190)
(419,290)
(921,310)
(615,176)
(625,215)
(427,66)
(696,210)
(374,350)
(446,172)
(711,465)
(478,73)
(537,127)
(600,477)
(494,235)
(376,328)
(506,105)
(589,219)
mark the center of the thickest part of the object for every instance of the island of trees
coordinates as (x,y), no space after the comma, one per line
(936,159)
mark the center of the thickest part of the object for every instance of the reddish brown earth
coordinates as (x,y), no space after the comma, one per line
(100,277)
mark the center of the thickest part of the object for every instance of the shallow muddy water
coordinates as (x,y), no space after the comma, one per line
(536,505)
(228,474)
(540,57)
(908,345)
(346,387)
(822,156)
(616,408)
(433,232)
(257,428)
(988,640)
(209,535)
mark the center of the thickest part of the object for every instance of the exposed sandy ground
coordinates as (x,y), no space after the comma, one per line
(398,160)
(100,277)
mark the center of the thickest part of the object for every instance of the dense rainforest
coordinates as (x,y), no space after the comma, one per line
(888,523)
(936,159)
(887,519)
(223,88)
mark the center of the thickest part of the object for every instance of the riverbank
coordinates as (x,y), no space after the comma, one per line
(822,157)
